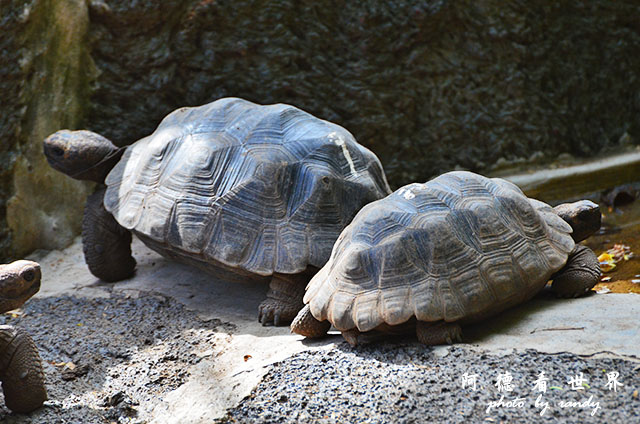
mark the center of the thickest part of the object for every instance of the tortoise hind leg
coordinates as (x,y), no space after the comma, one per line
(105,243)
(440,332)
(579,275)
(284,298)
(307,325)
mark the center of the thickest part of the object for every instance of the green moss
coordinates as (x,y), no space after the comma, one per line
(45,207)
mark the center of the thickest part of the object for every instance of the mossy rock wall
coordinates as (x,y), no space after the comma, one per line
(427,85)
(44,86)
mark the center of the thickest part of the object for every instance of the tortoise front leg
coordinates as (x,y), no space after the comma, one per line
(579,275)
(439,332)
(105,243)
(20,371)
(284,298)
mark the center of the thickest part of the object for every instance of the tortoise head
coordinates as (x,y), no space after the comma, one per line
(18,282)
(83,155)
(584,217)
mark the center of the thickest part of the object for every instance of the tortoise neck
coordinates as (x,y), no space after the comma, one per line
(98,172)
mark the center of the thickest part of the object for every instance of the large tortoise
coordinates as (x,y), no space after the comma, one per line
(455,250)
(20,365)
(236,188)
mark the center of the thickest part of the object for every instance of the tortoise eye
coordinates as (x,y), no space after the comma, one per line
(29,275)
(57,151)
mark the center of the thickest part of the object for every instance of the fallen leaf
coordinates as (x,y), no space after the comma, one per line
(605,257)
(15,313)
(247,357)
(607,266)
(607,262)
(618,286)
(620,251)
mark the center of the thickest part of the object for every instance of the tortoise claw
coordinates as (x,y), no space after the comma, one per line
(434,333)
(351,337)
(263,317)
(276,313)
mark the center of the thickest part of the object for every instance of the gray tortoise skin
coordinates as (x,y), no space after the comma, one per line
(455,250)
(238,189)
(20,364)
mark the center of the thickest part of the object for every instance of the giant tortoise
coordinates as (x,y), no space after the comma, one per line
(453,251)
(238,189)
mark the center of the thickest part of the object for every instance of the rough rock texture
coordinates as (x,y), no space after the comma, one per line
(112,359)
(44,67)
(427,85)
(395,383)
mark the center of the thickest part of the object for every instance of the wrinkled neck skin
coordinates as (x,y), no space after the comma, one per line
(21,372)
(7,336)
(583,216)
(82,155)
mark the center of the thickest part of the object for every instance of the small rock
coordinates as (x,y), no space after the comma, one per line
(619,196)
(71,373)
(114,399)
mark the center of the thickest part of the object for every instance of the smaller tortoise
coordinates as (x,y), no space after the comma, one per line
(20,365)
(453,251)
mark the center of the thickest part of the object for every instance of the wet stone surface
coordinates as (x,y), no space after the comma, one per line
(620,226)
(112,359)
(406,383)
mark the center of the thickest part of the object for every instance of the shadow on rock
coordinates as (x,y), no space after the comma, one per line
(113,357)
(503,323)
(507,320)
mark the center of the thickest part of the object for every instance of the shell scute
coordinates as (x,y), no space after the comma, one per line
(259,188)
(457,248)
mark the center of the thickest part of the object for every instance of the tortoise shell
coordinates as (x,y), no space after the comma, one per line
(458,248)
(257,189)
